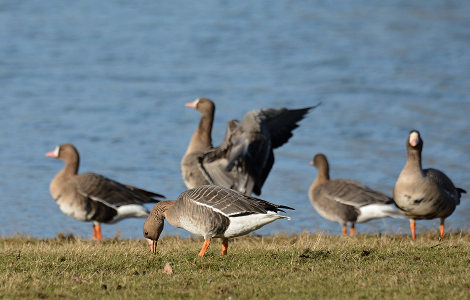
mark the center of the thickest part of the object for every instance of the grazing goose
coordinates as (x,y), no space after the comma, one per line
(344,200)
(92,197)
(424,194)
(244,159)
(212,212)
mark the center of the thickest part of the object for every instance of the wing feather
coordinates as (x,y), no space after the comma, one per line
(354,193)
(230,202)
(111,192)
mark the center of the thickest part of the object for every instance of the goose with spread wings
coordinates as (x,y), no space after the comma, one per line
(245,157)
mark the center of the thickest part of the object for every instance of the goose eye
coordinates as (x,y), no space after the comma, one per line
(146,233)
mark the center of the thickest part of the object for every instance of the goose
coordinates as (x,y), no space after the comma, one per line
(211,211)
(93,197)
(245,157)
(424,194)
(346,201)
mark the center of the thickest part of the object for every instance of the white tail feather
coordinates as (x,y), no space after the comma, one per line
(246,224)
(130,211)
(374,211)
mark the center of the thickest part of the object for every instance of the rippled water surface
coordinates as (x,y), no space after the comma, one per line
(112,78)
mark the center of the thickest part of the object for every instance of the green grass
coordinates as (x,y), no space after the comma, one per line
(302,266)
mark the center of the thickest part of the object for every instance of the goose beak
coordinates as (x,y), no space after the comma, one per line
(192,104)
(51,154)
(54,153)
(414,139)
(153,246)
(310,162)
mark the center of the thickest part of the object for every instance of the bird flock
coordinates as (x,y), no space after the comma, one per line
(221,180)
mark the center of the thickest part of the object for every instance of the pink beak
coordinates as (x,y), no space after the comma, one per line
(51,154)
(191,104)
(414,142)
(310,162)
(153,246)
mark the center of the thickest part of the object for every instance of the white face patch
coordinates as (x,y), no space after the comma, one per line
(56,151)
(414,139)
(196,102)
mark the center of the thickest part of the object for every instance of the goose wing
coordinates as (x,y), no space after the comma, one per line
(111,192)
(444,183)
(230,202)
(354,193)
(245,157)
(228,164)
(281,122)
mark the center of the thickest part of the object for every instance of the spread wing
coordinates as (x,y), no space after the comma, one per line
(281,122)
(229,164)
(245,157)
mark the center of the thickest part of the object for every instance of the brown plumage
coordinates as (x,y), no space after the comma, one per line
(346,201)
(245,157)
(92,197)
(424,194)
(212,212)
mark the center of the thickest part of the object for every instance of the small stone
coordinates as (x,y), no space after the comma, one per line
(167,269)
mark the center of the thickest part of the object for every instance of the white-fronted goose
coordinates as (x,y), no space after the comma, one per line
(92,197)
(346,201)
(212,212)
(424,194)
(244,159)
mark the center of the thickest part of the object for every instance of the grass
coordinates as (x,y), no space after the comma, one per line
(303,266)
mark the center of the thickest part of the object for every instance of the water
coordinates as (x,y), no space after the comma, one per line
(112,78)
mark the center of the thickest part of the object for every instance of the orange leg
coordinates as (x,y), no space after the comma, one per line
(204,248)
(345,230)
(351,230)
(224,246)
(413,229)
(97,232)
(441,228)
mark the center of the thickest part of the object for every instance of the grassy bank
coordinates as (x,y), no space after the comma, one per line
(299,266)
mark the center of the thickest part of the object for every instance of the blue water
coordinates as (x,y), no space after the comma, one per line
(112,78)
